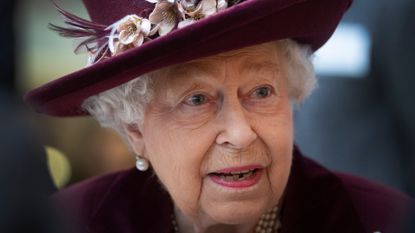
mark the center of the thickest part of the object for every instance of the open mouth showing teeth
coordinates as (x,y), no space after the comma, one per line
(236,176)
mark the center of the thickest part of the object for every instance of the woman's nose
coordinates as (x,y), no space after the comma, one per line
(235,128)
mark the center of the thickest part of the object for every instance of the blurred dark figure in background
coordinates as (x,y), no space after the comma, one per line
(25,182)
(7,41)
(393,64)
(24,178)
(373,117)
(393,68)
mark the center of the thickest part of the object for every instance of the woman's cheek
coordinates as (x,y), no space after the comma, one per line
(184,182)
(194,116)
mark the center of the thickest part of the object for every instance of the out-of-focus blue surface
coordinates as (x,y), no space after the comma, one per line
(346,54)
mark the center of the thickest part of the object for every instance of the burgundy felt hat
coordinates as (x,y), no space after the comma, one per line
(240,24)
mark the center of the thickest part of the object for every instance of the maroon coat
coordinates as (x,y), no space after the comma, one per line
(316,200)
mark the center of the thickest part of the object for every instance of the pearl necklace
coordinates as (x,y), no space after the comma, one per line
(268,223)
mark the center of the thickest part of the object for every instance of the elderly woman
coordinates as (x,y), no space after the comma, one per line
(203,91)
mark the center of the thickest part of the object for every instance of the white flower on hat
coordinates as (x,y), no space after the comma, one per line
(156,1)
(132,30)
(203,9)
(166,15)
(222,4)
(127,33)
(103,41)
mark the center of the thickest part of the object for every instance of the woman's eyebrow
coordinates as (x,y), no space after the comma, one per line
(195,68)
(191,76)
(259,66)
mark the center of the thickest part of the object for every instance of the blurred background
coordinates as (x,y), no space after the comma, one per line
(361,119)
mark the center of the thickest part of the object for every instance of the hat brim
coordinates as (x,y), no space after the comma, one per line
(248,23)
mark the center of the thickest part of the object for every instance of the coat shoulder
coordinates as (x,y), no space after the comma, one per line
(378,206)
(321,200)
(119,202)
(82,199)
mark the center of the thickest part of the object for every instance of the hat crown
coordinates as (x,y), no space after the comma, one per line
(250,22)
(109,11)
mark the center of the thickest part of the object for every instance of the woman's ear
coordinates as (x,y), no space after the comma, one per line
(135,138)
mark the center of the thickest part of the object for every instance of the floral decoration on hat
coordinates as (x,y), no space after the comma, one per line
(131,31)
(105,41)
(166,15)
(201,10)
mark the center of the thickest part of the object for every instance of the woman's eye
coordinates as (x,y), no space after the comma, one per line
(196,100)
(262,92)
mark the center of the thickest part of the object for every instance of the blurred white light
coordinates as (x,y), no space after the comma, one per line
(346,54)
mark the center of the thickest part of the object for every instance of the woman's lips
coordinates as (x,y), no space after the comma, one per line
(237,177)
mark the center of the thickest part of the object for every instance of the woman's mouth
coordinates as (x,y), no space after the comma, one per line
(241,177)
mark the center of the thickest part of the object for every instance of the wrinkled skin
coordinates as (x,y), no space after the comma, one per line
(223,111)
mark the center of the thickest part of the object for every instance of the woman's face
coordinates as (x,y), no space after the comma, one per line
(222,114)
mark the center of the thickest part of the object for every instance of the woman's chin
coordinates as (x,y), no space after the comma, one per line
(237,217)
(237,212)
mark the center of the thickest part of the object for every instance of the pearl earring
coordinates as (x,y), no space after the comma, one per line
(141,163)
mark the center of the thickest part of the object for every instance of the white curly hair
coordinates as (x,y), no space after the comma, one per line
(125,104)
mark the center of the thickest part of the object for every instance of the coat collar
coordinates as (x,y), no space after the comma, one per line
(135,202)
(315,201)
